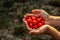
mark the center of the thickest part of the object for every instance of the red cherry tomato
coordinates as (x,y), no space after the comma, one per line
(39,19)
(33,18)
(29,20)
(31,25)
(39,24)
(42,22)
(34,22)
(35,26)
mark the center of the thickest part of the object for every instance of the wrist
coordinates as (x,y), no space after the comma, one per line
(54,21)
(56,18)
(47,31)
(53,32)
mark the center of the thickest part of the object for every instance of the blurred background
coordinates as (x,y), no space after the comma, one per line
(11,15)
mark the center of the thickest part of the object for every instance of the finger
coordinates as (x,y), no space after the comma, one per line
(39,31)
(29,14)
(24,20)
(36,11)
(41,12)
(34,32)
(31,32)
(44,14)
(43,28)
(26,24)
(25,16)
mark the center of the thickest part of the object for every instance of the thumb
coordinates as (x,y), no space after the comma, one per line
(40,30)
(34,32)
(31,32)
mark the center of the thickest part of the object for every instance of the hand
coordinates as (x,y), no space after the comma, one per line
(43,14)
(42,29)
(26,21)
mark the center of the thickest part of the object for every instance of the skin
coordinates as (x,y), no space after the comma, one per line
(48,30)
(50,22)
(49,19)
(55,21)
(53,32)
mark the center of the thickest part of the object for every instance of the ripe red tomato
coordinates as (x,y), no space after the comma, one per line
(34,22)
(39,19)
(42,22)
(31,25)
(35,26)
(29,20)
(33,18)
(39,24)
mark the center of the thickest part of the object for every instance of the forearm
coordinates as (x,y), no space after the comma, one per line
(55,17)
(54,33)
(55,20)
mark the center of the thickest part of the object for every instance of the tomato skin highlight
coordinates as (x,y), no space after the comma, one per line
(33,18)
(29,20)
(34,22)
(39,24)
(39,20)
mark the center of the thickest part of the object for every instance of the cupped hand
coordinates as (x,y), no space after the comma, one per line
(24,20)
(40,30)
(43,14)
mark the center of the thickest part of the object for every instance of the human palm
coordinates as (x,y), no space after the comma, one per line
(44,15)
